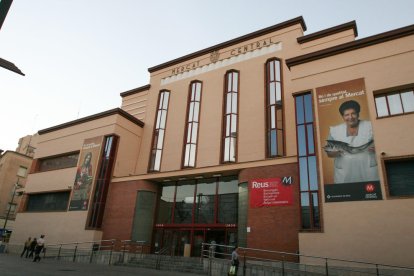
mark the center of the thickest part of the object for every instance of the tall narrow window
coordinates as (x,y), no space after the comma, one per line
(309,187)
(159,131)
(231,91)
(102,182)
(193,117)
(274,109)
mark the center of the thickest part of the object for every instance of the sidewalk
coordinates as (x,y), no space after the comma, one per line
(13,265)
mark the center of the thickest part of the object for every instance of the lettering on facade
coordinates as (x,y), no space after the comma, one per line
(251,47)
(185,68)
(271,192)
(215,55)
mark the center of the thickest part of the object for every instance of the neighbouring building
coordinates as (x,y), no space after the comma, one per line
(273,140)
(14,167)
(27,145)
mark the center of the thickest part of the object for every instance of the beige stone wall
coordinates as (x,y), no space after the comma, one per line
(372,231)
(10,163)
(326,42)
(70,226)
(251,144)
(136,104)
(367,231)
(59,227)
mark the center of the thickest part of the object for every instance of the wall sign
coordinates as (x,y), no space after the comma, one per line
(350,170)
(85,174)
(271,192)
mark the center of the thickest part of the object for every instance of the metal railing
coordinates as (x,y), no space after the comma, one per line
(103,248)
(75,250)
(282,263)
(165,251)
(134,248)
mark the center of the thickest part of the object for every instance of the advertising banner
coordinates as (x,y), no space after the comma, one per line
(350,170)
(271,192)
(85,174)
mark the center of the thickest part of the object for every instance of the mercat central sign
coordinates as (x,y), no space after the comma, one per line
(217,56)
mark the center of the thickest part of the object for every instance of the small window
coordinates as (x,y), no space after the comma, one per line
(395,103)
(46,202)
(400,177)
(22,172)
(58,162)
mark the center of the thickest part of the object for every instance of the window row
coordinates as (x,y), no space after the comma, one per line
(57,162)
(395,103)
(274,119)
(208,201)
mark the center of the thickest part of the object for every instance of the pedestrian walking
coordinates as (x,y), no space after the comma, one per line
(39,247)
(26,247)
(32,248)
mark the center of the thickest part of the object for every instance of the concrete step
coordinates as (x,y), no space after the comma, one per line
(168,263)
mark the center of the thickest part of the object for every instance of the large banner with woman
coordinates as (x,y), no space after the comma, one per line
(350,170)
(85,174)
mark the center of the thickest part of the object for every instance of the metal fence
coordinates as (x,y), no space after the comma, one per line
(267,262)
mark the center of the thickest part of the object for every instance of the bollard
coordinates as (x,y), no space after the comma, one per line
(74,253)
(58,257)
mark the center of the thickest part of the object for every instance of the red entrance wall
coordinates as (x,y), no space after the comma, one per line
(277,227)
(120,208)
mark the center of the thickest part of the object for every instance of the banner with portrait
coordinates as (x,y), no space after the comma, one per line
(85,174)
(350,169)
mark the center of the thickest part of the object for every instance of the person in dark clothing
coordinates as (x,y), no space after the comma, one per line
(39,247)
(235,259)
(32,248)
(26,247)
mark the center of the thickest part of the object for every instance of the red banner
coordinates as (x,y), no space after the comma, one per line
(271,192)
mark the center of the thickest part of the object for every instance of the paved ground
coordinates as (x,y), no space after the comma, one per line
(13,265)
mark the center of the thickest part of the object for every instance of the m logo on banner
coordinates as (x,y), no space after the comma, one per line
(287,180)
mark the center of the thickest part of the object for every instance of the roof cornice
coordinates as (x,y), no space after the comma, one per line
(10,66)
(351,46)
(136,90)
(336,29)
(15,152)
(291,22)
(115,111)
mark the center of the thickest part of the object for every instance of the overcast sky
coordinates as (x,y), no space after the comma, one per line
(79,55)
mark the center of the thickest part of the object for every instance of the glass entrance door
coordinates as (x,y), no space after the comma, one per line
(188,242)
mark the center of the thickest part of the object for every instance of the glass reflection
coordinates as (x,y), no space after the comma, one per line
(301,140)
(394,102)
(313,177)
(308,108)
(303,171)
(311,143)
(166,205)
(213,200)
(228,192)
(299,110)
(382,109)
(184,202)
(205,201)
(408,101)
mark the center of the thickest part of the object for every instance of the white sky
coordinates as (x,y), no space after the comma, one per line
(79,55)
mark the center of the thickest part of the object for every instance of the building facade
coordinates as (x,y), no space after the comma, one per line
(274,140)
(14,168)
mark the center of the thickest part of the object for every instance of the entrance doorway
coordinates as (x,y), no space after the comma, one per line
(188,241)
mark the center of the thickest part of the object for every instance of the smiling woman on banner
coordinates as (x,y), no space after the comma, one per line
(352,145)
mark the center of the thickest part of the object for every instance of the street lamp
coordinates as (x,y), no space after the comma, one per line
(16,186)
